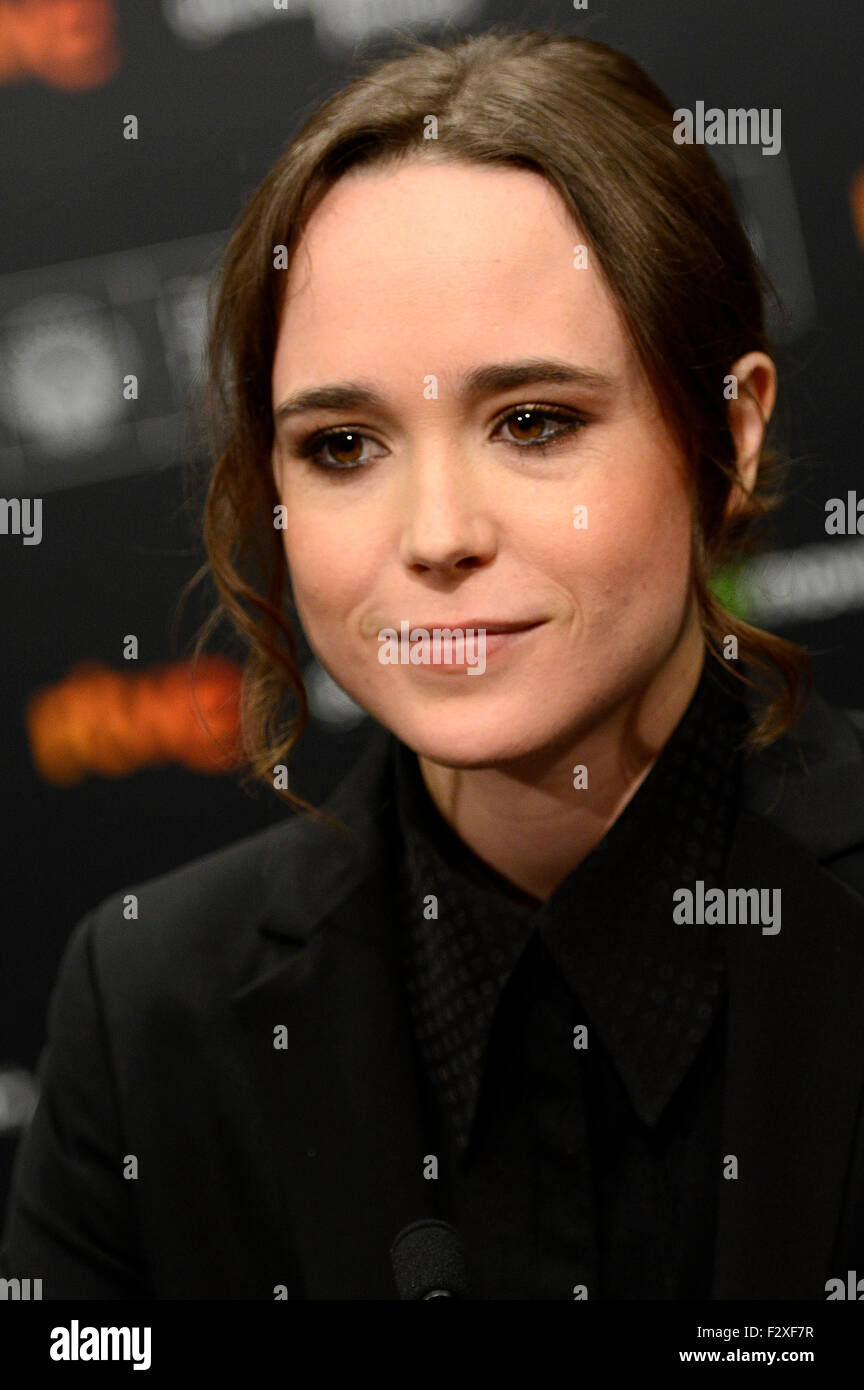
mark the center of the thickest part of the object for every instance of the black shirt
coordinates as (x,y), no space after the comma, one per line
(572,1052)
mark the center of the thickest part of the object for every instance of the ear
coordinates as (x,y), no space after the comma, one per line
(748,415)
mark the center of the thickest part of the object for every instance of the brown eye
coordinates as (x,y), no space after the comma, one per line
(345,456)
(339,451)
(529,424)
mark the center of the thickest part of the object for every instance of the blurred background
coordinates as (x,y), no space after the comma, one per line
(106,247)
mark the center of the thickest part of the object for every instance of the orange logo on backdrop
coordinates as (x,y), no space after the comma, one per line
(111,723)
(70,44)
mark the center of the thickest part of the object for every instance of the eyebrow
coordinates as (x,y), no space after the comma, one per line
(495,376)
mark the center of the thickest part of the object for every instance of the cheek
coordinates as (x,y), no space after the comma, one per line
(635,550)
(329,567)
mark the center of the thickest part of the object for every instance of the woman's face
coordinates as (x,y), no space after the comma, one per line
(443,512)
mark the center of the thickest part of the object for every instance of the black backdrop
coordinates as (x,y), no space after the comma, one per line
(105,246)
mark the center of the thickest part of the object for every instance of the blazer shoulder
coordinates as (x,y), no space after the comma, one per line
(220,885)
(810,783)
(206,924)
(192,929)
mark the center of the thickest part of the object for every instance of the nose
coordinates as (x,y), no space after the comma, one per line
(447,517)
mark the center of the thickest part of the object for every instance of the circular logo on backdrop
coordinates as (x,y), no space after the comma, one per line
(64,357)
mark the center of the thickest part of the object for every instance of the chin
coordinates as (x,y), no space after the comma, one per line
(467,741)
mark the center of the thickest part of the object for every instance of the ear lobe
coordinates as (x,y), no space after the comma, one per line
(740,490)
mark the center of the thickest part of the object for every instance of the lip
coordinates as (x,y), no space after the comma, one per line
(500,638)
(491,625)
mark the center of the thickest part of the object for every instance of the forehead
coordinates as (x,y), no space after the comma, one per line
(432,259)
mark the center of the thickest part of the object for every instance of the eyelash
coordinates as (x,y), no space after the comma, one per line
(312,447)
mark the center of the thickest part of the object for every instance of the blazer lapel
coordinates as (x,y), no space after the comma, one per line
(795,1050)
(338,1109)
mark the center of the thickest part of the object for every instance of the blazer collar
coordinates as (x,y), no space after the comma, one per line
(311,868)
(339,1108)
(337,1111)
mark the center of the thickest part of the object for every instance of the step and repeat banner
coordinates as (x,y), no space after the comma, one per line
(132,133)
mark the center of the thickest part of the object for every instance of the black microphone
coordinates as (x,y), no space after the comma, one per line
(429,1261)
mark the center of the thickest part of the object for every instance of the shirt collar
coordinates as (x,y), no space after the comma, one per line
(651,988)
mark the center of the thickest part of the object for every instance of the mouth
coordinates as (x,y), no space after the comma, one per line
(474,642)
(491,626)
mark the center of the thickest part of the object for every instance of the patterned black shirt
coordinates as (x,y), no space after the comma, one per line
(580,1158)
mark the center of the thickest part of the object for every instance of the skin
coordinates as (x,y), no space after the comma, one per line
(436,269)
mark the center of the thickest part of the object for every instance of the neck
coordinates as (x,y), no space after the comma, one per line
(527,822)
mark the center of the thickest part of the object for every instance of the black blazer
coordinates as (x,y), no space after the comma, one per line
(265,1171)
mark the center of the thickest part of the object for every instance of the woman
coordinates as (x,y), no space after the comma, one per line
(572,962)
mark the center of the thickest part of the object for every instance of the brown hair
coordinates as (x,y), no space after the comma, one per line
(666,234)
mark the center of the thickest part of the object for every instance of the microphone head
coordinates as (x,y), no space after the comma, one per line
(428,1261)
